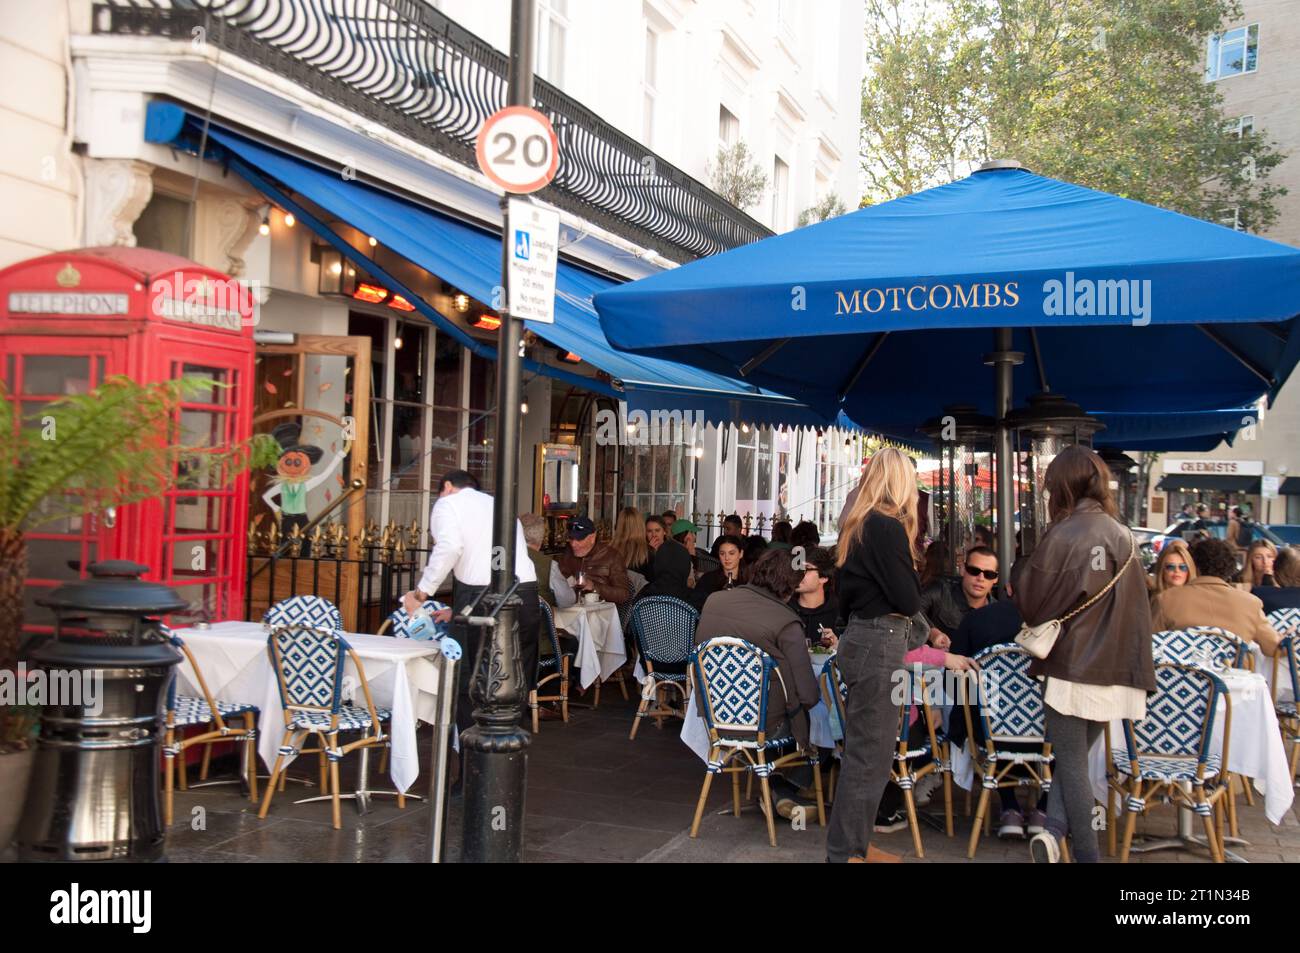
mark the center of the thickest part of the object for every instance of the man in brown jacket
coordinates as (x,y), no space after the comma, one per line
(1210,599)
(759,613)
(599,563)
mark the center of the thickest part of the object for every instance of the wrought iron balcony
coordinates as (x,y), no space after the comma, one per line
(405,65)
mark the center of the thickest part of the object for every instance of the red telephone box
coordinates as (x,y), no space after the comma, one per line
(71,319)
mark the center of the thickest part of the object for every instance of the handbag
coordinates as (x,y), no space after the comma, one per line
(1038,640)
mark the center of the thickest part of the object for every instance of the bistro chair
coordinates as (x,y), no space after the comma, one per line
(550,666)
(398,622)
(1287,622)
(315,612)
(185,711)
(1010,706)
(1168,755)
(735,677)
(912,764)
(1205,645)
(308,665)
(663,629)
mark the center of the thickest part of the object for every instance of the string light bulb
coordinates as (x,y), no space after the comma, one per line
(373,241)
(523,407)
(289,220)
(265,228)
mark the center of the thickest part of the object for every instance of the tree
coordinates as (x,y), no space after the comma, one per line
(737,177)
(1109,94)
(86,453)
(828,207)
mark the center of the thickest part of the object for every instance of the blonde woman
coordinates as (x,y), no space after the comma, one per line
(879,592)
(1173,568)
(630,541)
(1259,565)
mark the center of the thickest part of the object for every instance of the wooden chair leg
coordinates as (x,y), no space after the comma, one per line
(1130,825)
(947,801)
(1231,797)
(169,769)
(207,757)
(324,770)
(383,761)
(1065,851)
(182,775)
(704,797)
(749,786)
(735,793)
(532,706)
(596,701)
(821,802)
(978,827)
(640,713)
(910,803)
(767,809)
(969,791)
(1112,821)
(334,783)
(564,692)
(276,772)
(1212,839)
(622,686)
(250,725)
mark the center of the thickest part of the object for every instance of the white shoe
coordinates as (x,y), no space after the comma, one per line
(1044,848)
(926,788)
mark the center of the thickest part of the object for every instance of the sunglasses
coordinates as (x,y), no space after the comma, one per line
(1177,567)
(991,574)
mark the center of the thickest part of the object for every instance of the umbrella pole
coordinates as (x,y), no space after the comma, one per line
(1004,361)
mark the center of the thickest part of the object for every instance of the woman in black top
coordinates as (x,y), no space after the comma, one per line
(879,592)
(728,576)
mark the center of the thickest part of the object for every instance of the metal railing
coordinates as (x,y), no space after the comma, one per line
(405,65)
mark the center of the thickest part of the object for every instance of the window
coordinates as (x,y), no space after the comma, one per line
(552,27)
(650,84)
(838,470)
(1232,53)
(780,194)
(658,478)
(1245,126)
(162,225)
(754,459)
(728,128)
(1232,218)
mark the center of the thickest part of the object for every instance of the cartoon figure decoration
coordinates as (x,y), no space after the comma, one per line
(293,476)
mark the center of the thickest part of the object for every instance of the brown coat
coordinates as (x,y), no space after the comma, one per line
(1209,600)
(756,616)
(1109,643)
(603,566)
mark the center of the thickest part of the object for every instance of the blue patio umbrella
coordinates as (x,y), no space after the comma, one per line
(886,312)
(889,312)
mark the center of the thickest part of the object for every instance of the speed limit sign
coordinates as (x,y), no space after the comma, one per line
(517,149)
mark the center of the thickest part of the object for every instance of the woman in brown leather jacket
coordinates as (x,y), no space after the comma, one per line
(1100,668)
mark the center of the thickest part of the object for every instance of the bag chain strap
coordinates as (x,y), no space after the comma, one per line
(1104,589)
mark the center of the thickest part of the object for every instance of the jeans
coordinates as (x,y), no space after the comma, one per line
(870,653)
(1070,807)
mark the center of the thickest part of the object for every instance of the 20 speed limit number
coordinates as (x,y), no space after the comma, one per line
(517,149)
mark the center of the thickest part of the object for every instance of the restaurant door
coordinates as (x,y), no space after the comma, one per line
(307,519)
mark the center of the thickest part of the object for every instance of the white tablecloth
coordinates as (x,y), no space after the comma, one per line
(1255,749)
(695,734)
(601,651)
(402,674)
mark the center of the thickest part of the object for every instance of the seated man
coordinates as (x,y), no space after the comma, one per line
(814,601)
(946,602)
(1210,599)
(758,613)
(593,566)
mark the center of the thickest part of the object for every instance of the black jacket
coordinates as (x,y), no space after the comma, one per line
(945,605)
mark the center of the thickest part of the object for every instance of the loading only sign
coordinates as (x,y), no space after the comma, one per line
(534,237)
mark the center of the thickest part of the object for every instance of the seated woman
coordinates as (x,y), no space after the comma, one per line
(1174,568)
(758,613)
(1286,571)
(728,576)
(1258,571)
(672,570)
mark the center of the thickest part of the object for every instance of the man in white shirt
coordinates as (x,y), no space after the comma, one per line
(461,527)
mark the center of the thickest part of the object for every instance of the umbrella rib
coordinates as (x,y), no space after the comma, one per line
(862,364)
(1273,331)
(752,364)
(1245,362)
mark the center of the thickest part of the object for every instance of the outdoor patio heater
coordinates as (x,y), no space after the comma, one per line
(1040,431)
(963,437)
(93,793)
(1123,478)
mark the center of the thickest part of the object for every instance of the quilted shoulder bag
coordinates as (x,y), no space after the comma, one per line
(1038,640)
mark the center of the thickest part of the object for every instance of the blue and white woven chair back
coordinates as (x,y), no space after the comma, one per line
(664,628)
(1179,714)
(548,629)
(1204,645)
(400,621)
(1010,699)
(310,666)
(734,675)
(1285,621)
(314,611)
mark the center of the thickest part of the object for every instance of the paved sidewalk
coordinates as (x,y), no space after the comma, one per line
(593,795)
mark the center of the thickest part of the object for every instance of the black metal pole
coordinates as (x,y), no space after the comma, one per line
(496,747)
(1004,361)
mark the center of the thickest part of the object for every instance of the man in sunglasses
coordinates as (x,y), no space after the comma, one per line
(946,602)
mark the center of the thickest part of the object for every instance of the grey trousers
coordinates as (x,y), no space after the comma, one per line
(870,653)
(1070,805)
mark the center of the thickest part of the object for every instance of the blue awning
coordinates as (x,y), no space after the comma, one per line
(469,257)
